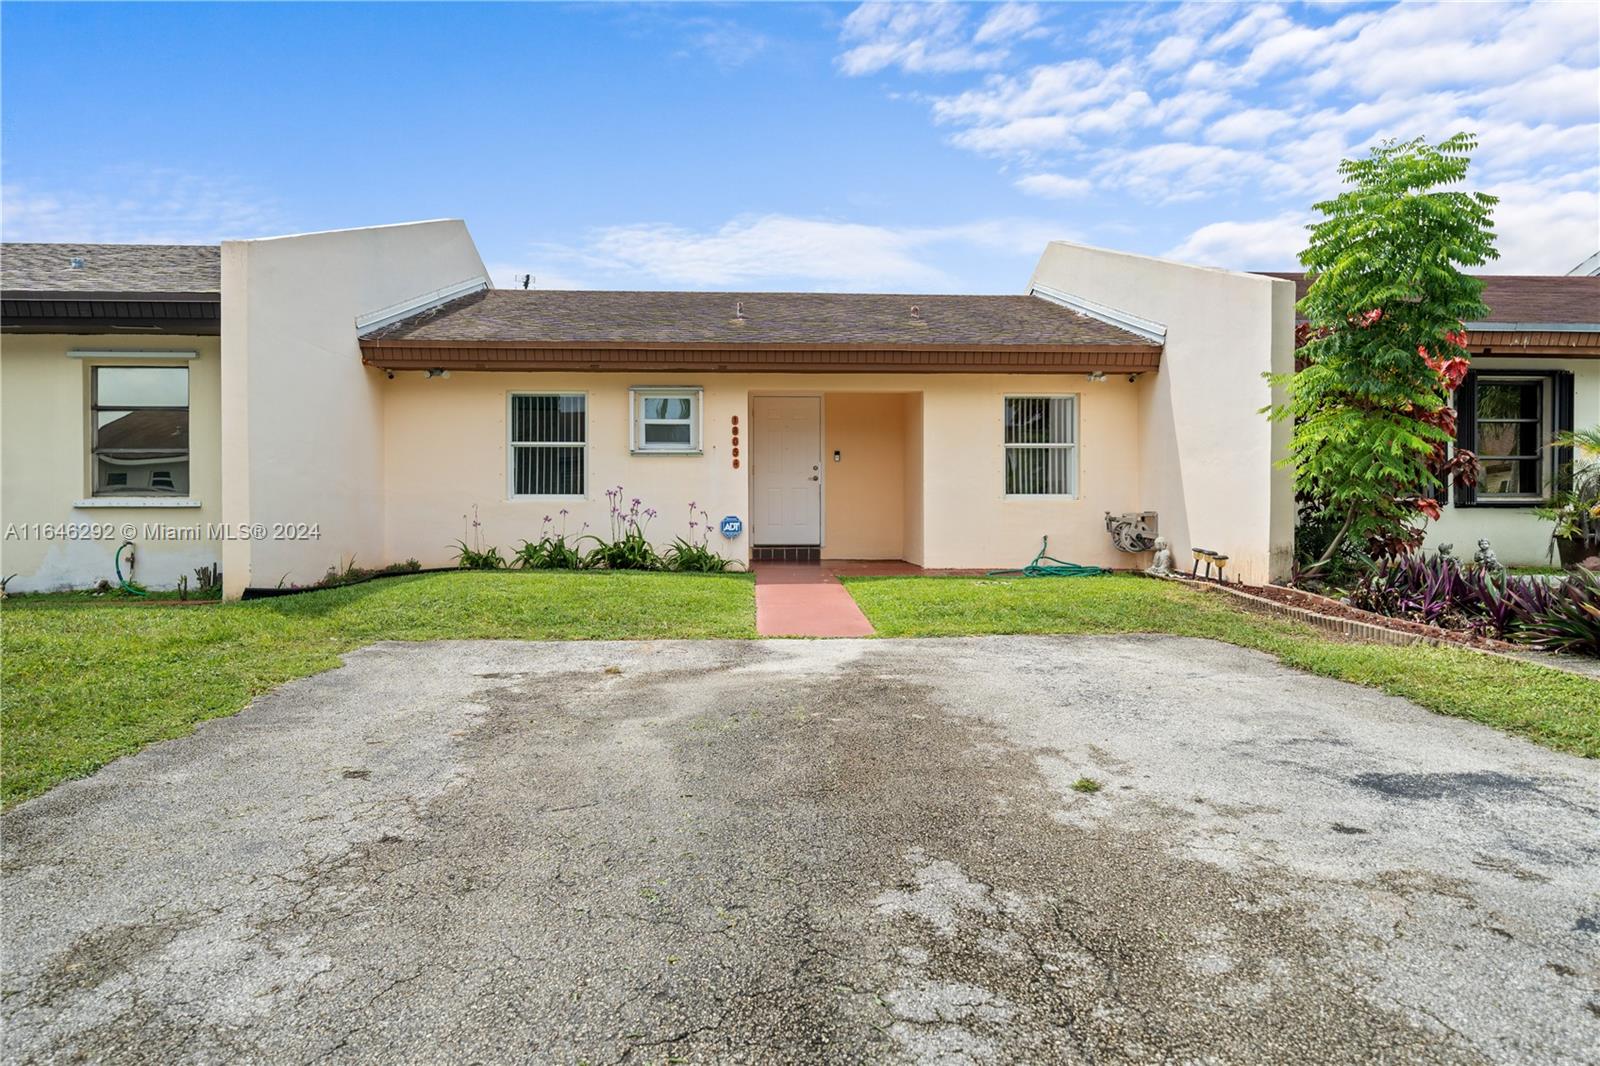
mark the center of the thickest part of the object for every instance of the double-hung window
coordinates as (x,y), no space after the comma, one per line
(549,435)
(1508,418)
(1041,445)
(141,430)
(666,420)
(1513,427)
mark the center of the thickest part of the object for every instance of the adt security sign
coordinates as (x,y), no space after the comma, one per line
(732,526)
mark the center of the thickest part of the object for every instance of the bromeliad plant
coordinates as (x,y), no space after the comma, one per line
(693,554)
(551,551)
(1383,346)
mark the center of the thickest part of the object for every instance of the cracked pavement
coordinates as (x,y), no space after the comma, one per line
(805,851)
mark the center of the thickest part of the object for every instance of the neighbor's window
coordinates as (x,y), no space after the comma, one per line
(141,430)
(1041,443)
(1513,426)
(666,420)
(549,444)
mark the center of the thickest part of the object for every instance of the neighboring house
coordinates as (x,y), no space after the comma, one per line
(1535,372)
(111,384)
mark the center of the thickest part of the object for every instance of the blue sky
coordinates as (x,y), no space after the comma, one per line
(892,147)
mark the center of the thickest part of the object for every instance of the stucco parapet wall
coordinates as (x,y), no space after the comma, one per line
(417,356)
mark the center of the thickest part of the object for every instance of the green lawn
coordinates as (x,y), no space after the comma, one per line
(1553,708)
(85,681)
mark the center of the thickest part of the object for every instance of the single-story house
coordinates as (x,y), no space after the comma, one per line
(284,405)
(1535,372)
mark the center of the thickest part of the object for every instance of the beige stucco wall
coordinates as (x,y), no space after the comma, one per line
(1519,537)
(970,522)
(303,418)
(1207,455)
(912,508)
(865,499)
(445,451)
(45,435)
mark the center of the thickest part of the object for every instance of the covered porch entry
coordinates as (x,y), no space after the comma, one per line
(835,475)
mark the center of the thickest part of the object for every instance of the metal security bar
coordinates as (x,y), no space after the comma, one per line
(549,444)
(1041,445)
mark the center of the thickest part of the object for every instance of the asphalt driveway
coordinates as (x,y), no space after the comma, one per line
(808,851)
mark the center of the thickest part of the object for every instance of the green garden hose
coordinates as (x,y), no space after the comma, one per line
(1047,566)
(129,585)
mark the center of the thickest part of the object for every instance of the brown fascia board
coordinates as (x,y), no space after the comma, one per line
(1534,342)
(504,356)
(377,344)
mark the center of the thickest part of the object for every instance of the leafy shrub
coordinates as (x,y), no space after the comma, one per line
(470,558)
(694,553)
(475,556)
(1570,619)
(551,551)
(1442,591)
(628,548)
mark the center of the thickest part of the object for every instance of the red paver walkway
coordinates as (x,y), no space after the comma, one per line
(805,600)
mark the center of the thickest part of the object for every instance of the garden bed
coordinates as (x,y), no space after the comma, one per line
(1326,606)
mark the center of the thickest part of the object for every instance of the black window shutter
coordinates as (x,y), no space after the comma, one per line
(1563,424)
(1467,432)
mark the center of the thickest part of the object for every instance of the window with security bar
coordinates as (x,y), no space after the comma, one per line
(1041,445)
(549,444)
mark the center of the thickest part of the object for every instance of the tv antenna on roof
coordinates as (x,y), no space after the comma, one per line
(527,279)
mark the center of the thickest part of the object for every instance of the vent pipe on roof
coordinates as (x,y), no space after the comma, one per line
(75,263)
(738,309)
(916,312)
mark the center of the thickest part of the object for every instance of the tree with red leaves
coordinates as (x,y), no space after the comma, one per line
(1383,346)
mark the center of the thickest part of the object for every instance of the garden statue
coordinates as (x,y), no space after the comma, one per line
(1161,566)
(1485,556)
(1445,550)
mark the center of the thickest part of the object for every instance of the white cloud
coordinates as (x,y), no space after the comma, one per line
(1054,186)
(1255,105)
(1006,22)
(762,250)
(1173,52)
(1546,225)
(933,37)
(136,205)
(1250,126)
(1265,244)
(917,38)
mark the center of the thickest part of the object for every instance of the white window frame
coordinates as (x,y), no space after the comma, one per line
(512,446)
(636,420)
(1070,448)
(95,407)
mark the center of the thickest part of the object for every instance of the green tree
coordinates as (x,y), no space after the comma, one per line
(1383,344)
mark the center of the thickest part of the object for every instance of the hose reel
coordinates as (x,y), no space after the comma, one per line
(1132,531)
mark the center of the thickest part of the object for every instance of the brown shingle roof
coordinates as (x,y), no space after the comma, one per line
(1523,299)
(146,269)
(549,318)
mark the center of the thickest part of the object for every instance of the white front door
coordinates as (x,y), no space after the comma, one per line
(786,470)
